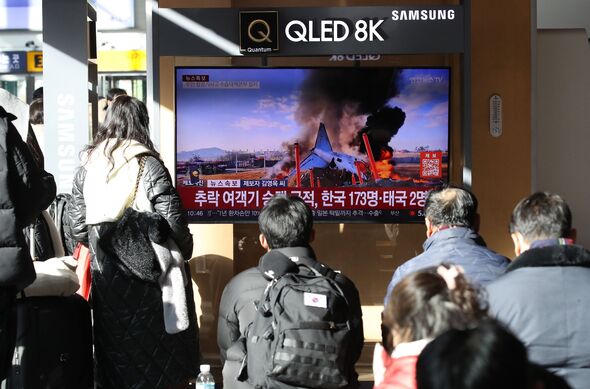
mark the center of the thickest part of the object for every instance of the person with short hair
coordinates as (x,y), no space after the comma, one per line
(544,297)
(486,357)
(422,306)
(286,226)
(452,222)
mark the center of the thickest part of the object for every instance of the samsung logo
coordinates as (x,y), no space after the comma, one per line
(425,14)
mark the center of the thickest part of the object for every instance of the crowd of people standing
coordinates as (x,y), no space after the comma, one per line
(456,316)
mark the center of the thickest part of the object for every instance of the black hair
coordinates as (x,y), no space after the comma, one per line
(126,119)
(38,93)
(541,215)
(36,111)
(286,222)
(486,357)
(451,206)
(114,92)
(422,305)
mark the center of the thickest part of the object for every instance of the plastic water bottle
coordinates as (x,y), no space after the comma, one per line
(205,378)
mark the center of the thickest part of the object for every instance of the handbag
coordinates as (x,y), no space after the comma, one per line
(128,239)
(55,277)
(82,255)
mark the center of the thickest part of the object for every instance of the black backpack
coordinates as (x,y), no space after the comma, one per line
(59,211)
(301,333)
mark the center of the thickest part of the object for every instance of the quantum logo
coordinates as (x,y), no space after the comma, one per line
(259,31)
(261,28)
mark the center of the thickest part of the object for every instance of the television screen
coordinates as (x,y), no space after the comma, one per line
(357,144)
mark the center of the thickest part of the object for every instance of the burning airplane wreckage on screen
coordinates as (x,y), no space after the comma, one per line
(361,171)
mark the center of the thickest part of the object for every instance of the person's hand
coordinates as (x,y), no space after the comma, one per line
(381,361)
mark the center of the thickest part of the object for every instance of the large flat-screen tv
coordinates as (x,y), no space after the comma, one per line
(357,144)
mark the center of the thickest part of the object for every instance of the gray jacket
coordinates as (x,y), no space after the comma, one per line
(544,298)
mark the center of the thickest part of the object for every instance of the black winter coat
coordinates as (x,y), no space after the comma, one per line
(132,348)
(23,196)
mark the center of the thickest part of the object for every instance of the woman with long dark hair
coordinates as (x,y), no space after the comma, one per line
(134,347)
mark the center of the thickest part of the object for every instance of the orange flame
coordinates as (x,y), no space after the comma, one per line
(386,170)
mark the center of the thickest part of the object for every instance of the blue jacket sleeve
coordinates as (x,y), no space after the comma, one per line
(397,277)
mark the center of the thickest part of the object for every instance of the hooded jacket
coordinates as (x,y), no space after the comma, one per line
(132,347)
(544,298)
(460,246)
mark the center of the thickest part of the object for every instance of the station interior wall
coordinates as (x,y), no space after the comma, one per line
(562,133)
(369,253)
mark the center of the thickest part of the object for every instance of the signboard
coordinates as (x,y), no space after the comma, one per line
(312,31)
(13,62)
(108,61)
(122,61)
(259,31)
(35,61)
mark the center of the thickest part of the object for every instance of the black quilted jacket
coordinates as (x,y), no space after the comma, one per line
(24,193)
(132,349)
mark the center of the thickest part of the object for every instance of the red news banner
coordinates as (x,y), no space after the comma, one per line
(325,202)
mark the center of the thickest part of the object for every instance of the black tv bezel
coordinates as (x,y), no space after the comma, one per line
(415,220)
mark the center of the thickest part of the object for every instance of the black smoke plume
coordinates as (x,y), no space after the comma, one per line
(341,98)
(380,128)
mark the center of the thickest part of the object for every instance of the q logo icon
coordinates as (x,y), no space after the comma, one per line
(259,32)
(264,36)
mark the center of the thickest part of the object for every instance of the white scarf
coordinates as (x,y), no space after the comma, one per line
(107,192)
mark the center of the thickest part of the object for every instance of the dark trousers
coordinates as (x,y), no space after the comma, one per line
(7,330)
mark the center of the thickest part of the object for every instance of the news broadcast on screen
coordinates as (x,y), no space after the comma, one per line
(357,144)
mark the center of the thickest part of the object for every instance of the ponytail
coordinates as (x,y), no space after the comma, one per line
(432,301)
(469,300)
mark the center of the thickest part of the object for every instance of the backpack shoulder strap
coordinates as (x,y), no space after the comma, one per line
(320,270)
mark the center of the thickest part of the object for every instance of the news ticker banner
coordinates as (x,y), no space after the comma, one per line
(230,203)
(311,31)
